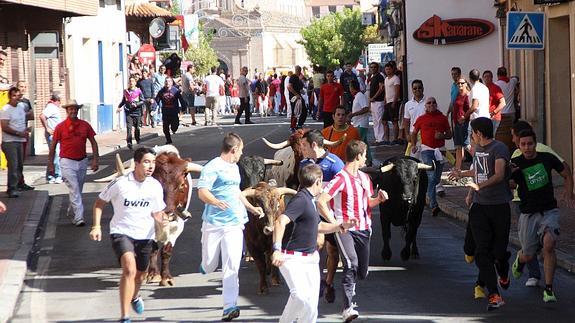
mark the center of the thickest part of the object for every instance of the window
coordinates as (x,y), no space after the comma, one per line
(315,11)
(119,5)
(332,8)
(349,6)
(102,3)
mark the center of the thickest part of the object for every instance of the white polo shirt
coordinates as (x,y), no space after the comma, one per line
(479,92)
(413,110)
(133,203)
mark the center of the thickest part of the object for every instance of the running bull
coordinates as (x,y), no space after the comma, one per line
(258,231)
(405,181)
(173,173)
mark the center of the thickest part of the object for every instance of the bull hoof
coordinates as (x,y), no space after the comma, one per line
(152,279)
(276,282)
(167,282)
(414,253)
(405,254)
(249,259)
(386,254)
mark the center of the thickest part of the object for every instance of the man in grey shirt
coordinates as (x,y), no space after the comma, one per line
(244,92)
(489,213)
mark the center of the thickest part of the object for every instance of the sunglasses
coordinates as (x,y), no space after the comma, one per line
(461,83)
(431,102)
(417,88)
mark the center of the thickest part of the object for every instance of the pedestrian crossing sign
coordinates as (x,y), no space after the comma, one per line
(525,30)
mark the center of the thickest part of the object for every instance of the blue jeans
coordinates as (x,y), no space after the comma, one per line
(433,176)
(57,172)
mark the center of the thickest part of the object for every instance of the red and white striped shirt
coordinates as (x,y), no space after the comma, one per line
(350,198)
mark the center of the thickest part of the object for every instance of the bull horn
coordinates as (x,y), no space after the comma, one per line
(249,192)
(330,143)
(274,162)
(286,190)
(193,167)
(279,146)
(107,178)
(424,166)
(119,165)
(387,168)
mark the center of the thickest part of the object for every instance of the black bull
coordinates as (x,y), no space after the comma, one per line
(405,182)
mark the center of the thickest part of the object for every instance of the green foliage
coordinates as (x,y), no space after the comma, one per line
(203,56)
(175,9)
(335,39)
(371,35)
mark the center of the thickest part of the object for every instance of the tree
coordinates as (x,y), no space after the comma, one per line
(371,35)
(335,39)
(203,56)
(175,9)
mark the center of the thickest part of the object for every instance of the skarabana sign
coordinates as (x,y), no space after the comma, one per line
(436,31)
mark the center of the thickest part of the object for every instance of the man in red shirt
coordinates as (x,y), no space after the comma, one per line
(72,134)
(496,100)
(434,128)
(330,97)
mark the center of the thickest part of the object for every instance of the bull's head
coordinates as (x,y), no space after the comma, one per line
(294,141)
(253,169)
(407,171)
(270,199)
(171,171)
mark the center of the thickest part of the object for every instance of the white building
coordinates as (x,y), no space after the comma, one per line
(321,8)
(95,50)
(432,62)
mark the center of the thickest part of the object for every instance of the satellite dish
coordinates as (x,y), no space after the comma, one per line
(157,27)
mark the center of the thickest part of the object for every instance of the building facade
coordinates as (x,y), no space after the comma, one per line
(547,79)
(32,33)
(320,8)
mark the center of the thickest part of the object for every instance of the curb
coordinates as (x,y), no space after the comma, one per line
(18,265)
(564,260)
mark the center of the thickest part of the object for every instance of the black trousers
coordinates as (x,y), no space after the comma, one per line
(303,115)
(354,250)
(489,226)
(244,106)
(135,122)
(327,119)
(170,121)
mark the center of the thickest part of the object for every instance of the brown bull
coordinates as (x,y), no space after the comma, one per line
(172,172)
(258,231)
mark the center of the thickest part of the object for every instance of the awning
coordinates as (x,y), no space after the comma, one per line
(293,42)
(145,9)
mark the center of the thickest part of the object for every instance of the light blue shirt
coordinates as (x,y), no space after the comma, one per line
(454,92)
(159,82)
(222,179)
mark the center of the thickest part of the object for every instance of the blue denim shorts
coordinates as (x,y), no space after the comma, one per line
(460,134)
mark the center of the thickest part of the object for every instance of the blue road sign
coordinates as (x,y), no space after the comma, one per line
(386,57)
(525,30)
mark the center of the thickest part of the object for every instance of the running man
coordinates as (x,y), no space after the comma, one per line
(538,225)
(294,247)
(137,199)
(352,191)
(224,218)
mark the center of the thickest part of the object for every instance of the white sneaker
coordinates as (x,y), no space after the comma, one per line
(51,180)
(532,282)
(349,314)
(58,180)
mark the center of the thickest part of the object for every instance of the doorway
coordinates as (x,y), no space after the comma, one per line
(560,110)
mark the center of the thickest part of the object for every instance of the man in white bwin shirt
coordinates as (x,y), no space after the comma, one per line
(137,199)
(214,88)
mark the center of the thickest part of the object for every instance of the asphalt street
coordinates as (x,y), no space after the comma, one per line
(76,280)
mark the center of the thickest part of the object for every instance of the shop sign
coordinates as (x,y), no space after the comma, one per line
(436,31)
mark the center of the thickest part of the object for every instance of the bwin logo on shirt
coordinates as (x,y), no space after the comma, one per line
(140,203)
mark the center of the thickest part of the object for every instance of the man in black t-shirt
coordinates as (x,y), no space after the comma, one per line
(295,87)
(538,225)
(376,100)
(295,254)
